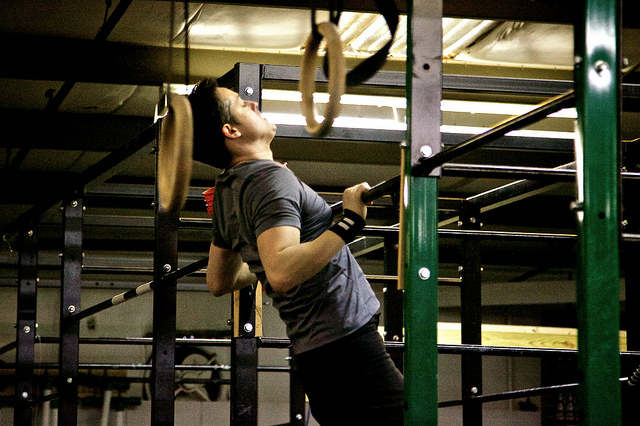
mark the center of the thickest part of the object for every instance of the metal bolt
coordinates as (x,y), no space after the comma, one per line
(577,60)
(474,390)
(426,151)
(71,308)
(577,206)
(299,416)
(25,395)
(74,203)
(625,62)
(460,268)
(601,67)
(248,327)
(166,267)
(26,329)
(248,90)
(424,273)
(229,322)
(460,224)
(69,380)
(625,222)
(30,233)
(396,338)
(472,219)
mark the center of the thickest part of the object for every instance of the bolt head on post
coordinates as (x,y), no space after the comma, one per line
(167,267)
(424,273)
(426,151)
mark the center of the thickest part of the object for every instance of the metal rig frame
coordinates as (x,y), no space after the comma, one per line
(597,97)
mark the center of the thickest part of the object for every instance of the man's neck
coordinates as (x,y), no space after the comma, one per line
(265,155)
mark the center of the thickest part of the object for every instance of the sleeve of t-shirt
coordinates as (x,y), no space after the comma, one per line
(274,199)
(217,239)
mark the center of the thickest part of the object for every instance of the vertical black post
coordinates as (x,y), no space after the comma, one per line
(297,400)
(164,319)
(244,381)
(244,360)
(70,303)
(471,316)
(26,325)
(246,80)
(393,299)
(630,255)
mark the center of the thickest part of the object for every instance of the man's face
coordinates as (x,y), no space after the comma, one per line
(247,115)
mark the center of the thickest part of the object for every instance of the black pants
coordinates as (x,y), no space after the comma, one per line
(353,381)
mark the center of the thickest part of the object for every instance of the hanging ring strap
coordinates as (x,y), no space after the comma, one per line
(337,73)
(367,68)
(175,154)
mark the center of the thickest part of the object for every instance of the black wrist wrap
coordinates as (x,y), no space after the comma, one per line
(349,226)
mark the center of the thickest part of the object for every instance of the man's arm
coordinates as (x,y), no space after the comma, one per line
(226,272)
(288,263)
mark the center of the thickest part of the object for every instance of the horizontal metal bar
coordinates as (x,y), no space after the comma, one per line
(284,343)
(517,351)
(510,172)
(452,82)
(449,81)
(389,187)
(555,174)
(504,235)
(521,393)
(110,366)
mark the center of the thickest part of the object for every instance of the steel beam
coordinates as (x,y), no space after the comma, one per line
(69,303)
(26,326)
(597,75)
(164,319)
(471,316)
(297,399)
(419,213)
(393,315)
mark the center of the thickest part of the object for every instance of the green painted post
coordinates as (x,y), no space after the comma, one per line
(420,246)
(419,238)
(597,76)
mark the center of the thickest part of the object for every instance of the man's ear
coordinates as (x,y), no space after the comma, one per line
(230,132)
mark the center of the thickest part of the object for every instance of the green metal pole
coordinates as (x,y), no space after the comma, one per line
(420,245)
(598,278)
(419,237)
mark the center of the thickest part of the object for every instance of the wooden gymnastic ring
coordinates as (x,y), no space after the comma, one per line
(175,153)
(337,73)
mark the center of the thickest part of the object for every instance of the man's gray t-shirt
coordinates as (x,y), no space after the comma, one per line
(254,196)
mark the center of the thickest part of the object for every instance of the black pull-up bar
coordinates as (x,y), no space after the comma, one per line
(426,165)
(135,292)
(391,186)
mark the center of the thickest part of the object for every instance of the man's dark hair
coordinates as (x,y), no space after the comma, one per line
(210,113)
